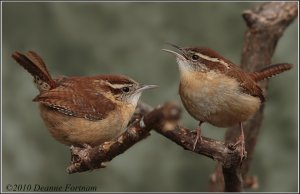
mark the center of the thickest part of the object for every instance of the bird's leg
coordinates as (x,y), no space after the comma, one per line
(198,135)
(241,141)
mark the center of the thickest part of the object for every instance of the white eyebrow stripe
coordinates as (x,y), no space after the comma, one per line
(213,60)
(117,86)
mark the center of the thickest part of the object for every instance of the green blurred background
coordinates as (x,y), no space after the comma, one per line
(126,38)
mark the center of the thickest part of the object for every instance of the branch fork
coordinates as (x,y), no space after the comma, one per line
(164,120)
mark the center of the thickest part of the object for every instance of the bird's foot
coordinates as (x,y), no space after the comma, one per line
(198,138)
(243,152)
(86,146)
(79,154)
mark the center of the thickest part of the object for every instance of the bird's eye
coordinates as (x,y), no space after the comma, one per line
(195,57)
(125,89)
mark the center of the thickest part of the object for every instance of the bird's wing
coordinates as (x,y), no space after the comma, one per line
(75,99)
(247,84)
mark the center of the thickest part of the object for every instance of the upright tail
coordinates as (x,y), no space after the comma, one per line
(34,64)
(270,71)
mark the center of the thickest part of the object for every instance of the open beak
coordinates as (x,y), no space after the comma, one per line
(179,53)
(146,87)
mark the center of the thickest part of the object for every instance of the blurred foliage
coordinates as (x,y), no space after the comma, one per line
(126,38)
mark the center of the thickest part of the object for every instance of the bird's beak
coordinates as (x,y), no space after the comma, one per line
(179,53)
(146,87)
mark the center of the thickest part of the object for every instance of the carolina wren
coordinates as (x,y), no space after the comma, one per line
(82,110)
(215,90)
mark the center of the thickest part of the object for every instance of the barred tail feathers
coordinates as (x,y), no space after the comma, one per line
(34,64)
(270,71)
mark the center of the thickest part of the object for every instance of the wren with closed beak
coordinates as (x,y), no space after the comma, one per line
(215,90)
(82,110)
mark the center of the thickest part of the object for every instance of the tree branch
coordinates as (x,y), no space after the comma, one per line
(164,120)
(266,23)
(144,119)
(228,155)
